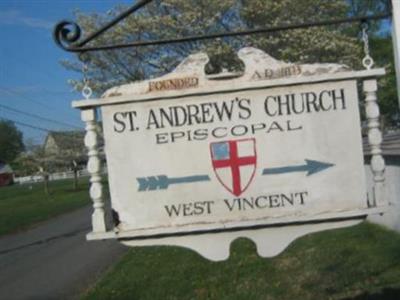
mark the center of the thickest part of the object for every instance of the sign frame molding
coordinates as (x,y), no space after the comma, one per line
(271,238)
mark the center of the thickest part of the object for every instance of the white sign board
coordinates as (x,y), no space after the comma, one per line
(190,157)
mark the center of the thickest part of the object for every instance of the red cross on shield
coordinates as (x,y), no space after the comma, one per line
(234,163)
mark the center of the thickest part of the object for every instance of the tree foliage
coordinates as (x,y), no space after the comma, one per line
(11,143)
(175,18)
(365,7)
(310,45)
(158,20)
(382,51)
(164,19)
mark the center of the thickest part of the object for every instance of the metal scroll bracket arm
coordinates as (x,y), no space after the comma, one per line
(67,34)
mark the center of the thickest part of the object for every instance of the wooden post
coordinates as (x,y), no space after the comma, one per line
(46,182)
(75,170)
(375,139)
(89,116)
(396,41)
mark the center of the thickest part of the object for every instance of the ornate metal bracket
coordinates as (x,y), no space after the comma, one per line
(67,34)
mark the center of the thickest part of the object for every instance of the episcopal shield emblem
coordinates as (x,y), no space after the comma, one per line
(234,163)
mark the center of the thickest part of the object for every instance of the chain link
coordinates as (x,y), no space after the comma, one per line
(86,90)
(367,61)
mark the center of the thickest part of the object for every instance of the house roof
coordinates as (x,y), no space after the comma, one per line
(390,145)
(68,140)
(5,168)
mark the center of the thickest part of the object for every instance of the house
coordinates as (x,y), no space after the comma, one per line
(65,143)
(6,174)
(67,148)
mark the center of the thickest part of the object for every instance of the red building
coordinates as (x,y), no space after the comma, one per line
(6,174)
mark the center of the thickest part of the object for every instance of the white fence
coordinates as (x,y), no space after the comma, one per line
(54,176)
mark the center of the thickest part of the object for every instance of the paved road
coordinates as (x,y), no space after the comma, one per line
(53,260)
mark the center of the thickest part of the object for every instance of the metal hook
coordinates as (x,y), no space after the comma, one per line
(367,61)
(86,90)
(364,25)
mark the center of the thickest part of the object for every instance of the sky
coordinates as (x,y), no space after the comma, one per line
(32,80)
(34,91)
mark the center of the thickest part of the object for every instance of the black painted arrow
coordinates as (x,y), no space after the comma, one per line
(162,182)
(310,166)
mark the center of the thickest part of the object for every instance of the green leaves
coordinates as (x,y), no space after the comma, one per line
(11,143)
(382,52)
(176,18)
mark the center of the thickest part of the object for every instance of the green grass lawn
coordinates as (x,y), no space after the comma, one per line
(27,204)
(360,262)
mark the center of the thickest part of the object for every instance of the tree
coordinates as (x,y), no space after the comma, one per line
(310,45)
(65,150)
(365,7)
(381,48)
(175,18)
(382,52)
(11,143)
(25,165)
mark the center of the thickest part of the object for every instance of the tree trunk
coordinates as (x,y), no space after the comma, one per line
(75,179)
(46,183)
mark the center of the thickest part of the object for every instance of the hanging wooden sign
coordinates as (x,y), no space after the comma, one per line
(270,155)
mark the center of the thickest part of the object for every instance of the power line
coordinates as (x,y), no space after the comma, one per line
(11,92)
(38,117)
(26,125)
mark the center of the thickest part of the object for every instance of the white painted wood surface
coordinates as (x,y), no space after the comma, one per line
(89,116)
(370,88)
(338,193)
(269,242)
(332,137)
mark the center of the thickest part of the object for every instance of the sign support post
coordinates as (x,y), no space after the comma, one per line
(89,116)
